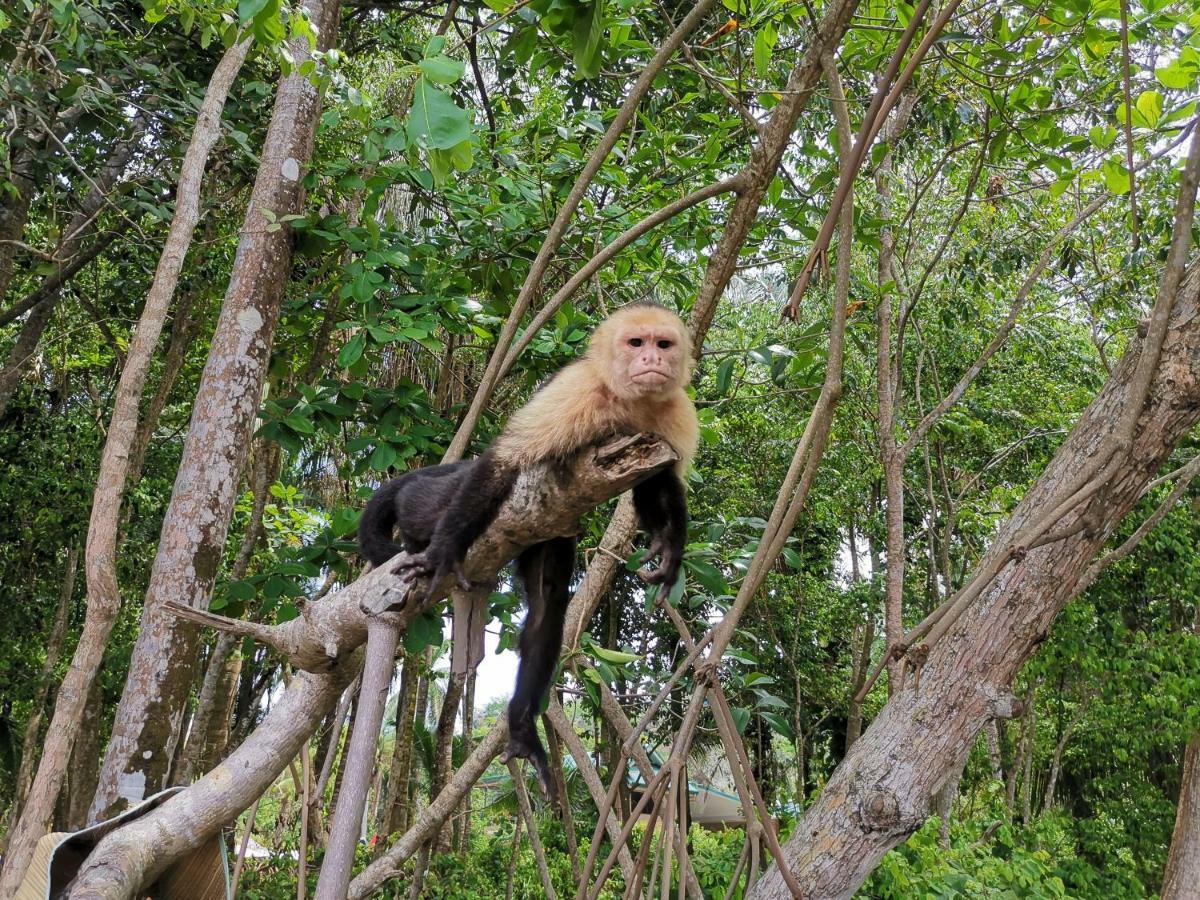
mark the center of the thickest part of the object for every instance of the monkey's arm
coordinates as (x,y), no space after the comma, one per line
(661,506)
(464,516)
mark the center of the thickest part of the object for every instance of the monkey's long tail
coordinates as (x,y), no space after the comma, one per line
(377,523)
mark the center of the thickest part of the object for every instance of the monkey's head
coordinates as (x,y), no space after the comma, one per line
(643,351)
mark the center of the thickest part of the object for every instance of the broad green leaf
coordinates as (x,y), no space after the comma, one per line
(1176,76)
(248,9)
(778,723)
(1116,176)
(586,34)
(616,657)
(423,631)
(764,45)
(300,424)
(435,119)
(1102,136)
(442,69)
(708,576)
(1148,109)
(352,350)
(724,374)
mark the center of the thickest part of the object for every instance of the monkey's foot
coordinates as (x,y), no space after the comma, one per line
(668,571)
(520,747)
(422,564)
(666,574)
(418,563)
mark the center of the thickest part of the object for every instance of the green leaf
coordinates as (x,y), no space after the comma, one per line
(1102,136)
(423,631)
(778,724)
(587,31)
(300,424)
(1175,76)
(616,657)
(1116,176)
(240,590)
(1148,109)
(741,718)
(435,119)
(708,575)
(724,374)
(442,69)
(383,457)
(248,9)
(352,350)
(764,45)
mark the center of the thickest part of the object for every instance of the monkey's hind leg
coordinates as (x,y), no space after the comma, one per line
(545,571)
(478,492)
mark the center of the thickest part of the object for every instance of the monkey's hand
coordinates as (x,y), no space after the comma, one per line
(668,571)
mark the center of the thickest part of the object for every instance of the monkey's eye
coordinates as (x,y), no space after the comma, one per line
(664,345)
(635,342)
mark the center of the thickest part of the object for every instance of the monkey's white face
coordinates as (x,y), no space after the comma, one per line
(647,357)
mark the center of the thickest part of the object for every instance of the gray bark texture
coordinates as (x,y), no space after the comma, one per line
(193,535)
(882,791)
(1181,878)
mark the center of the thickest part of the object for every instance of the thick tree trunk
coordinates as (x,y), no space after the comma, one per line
(395,812)
(85,762)
(443,745)
(1182,874)
(148,717)
(881,792)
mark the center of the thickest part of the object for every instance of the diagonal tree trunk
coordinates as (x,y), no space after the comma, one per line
(881,793)
(194,529)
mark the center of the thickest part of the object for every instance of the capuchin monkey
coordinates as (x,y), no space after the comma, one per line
(631,379)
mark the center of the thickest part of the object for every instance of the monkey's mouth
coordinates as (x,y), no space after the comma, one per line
(653,376)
